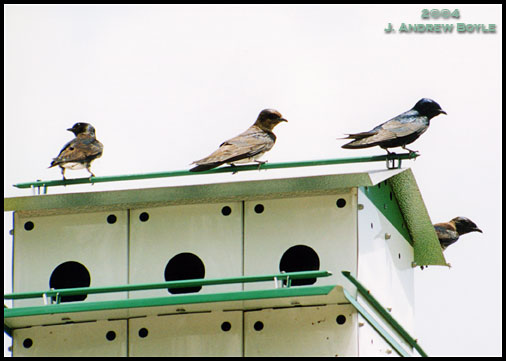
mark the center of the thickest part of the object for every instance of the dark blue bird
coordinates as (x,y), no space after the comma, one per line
(399,131)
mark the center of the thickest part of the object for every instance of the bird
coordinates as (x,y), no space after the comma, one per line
(449,232)
(80,151)
(247,146)
(399,131)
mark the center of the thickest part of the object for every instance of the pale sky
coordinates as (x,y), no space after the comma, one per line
(165,85)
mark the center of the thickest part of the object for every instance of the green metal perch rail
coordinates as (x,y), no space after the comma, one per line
(48,308)
(285,291)
(179,173)
(385,314)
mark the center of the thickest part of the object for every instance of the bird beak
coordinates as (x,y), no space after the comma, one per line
(70,129)
(477,230)
(283,120)
(442,112)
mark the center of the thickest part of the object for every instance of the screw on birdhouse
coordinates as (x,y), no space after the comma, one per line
(413,264)
(361,324)
(360,207)
(388,236)
(389,309)
(388,351)
(11,232)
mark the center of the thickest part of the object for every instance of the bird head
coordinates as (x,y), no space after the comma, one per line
(79,128)
(465,225)
(428,107)
(268,119)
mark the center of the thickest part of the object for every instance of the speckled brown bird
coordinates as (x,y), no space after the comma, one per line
(80,151)
(449,232)
(247,146)
(399,131)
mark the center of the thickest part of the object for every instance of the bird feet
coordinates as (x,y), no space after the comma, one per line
(409,150)
(413,154)
(92,176)
(260,163)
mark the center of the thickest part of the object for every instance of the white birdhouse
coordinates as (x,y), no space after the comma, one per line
(249,268)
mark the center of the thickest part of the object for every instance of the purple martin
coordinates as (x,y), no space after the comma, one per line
(449,232)
(247,146)
(399,131)
(80,151)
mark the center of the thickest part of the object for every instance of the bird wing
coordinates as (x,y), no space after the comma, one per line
(446,234)
(81,149)
(395,129)
(248,144)
(398,127)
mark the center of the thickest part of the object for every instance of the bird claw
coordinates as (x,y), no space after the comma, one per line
(91,176)
(232,165)
(260,163)
(410,150)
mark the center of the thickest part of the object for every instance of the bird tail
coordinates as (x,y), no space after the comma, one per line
(357,142)
(354,145)
(359,135)
(203,167)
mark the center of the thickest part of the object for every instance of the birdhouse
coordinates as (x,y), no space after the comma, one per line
(306,266)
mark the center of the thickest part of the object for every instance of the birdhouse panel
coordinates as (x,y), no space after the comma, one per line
(102,338)
(301,234)
(370,343)
(186,242)
(194,334)
(302,331)
(385,262)
(66,251)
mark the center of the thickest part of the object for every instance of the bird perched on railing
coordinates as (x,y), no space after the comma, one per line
(80,151)
(399,131)
(247,146)
(449,232)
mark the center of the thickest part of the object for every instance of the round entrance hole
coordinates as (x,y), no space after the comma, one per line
(70,274)
(300,258)
(184,266)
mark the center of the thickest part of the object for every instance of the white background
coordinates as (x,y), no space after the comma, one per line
(165,85)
